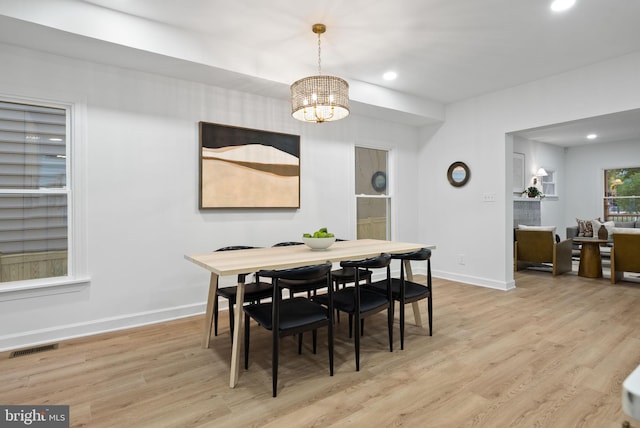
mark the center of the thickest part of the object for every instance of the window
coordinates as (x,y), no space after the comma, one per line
(373,203)
(34,191)
(622,194)
(549,183)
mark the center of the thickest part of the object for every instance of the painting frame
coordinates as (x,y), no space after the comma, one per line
(247,168)
(518,173)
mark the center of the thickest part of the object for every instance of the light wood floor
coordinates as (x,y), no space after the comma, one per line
(551,353)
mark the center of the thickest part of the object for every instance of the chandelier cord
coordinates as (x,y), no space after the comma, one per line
(319,67)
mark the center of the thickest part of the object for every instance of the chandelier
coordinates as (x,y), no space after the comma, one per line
(320,98)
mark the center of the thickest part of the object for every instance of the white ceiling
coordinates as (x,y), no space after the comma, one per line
(442,50)
(609,128)
(445,50)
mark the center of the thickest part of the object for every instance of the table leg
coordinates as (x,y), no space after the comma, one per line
(208,319)
(238,331)
(414,305)
(590,261)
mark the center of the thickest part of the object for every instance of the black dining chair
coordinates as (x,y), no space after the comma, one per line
(286,317)
(404,291)
(347,275)
(254,292)
(300,286)
(361,302)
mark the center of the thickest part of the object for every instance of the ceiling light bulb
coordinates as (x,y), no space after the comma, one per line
(592,136)
(560,5)
(390,75)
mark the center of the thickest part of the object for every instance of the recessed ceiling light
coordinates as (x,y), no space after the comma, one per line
(592,136)
(560,5)
(390,75)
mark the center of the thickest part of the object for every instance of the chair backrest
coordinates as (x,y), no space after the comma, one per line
(287,243)
(535,245)
(302,277)
(299,273)
(235,247)
(421,254)
(380,261)
(626,247)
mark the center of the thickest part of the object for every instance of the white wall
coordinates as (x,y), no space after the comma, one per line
(457,219)
(552,158)
(142,180)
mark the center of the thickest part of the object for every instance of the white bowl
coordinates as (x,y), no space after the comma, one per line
(319,243)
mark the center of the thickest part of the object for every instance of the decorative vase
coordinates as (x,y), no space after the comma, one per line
(602,232)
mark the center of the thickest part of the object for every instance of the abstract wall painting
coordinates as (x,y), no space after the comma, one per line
(248,168)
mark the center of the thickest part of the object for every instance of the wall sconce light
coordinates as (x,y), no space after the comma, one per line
(540,173)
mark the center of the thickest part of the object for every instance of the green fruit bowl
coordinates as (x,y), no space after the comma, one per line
(319,243)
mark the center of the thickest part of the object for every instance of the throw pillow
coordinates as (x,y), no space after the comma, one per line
(609,225)
(585,228)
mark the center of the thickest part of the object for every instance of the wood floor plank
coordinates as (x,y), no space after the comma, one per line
(551,353)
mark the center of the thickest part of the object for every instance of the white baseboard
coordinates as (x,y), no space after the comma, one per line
(65,332)
(474,280)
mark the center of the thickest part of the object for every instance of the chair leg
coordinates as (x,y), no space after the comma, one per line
(390,324)
(430,312)
(430,298)
(274,363)
(246,341)
(350,326)
(330,339)
(215,317)
(336,288)
(315,340)
(231,319)
(401,326)
(300,343)
(357,343)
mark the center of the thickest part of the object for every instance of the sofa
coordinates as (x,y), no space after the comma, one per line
(572,232)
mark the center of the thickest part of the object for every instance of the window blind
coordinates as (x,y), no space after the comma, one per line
(33,179)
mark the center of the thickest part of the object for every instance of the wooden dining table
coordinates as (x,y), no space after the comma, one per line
(222,263)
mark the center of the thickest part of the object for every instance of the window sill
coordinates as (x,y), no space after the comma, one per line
(549,198)
(38,288)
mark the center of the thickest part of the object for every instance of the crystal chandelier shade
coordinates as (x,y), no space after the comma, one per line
(319,98)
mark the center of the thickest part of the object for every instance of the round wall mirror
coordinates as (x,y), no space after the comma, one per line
(379,181)
(458,174)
